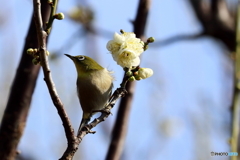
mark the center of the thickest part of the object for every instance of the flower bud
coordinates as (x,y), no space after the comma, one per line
(145,73)
(132,78)
(35,50)
(138,78)
(59,16)
(30,51)
(47,53)
(129,73)
(150,40)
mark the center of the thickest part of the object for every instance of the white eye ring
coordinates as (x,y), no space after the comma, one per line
(81,58)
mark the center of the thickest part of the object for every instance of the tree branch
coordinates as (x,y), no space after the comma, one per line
(42,35)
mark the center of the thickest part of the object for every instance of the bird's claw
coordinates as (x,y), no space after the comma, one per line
(85,128)
(107,111)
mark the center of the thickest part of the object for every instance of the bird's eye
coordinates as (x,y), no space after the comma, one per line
(80,58)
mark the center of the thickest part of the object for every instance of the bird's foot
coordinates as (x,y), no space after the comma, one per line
(105,110)
(86,128)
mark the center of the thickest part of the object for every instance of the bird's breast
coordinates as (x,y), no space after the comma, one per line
(94,90)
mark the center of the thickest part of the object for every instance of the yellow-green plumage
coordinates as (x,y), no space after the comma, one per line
(94,85)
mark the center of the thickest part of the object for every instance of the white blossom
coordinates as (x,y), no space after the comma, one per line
(126,49)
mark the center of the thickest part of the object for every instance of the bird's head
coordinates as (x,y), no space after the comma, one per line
(85,64)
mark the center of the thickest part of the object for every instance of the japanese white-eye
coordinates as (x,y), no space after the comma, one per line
(94,86)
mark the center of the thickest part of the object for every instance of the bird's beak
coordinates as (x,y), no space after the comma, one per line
(71,57)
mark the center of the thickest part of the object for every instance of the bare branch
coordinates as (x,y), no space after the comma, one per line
(177,38)
(42,35)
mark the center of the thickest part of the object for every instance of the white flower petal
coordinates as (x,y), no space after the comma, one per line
(118,38)
(136,61)
(129,35)
(128,63)
(109,45)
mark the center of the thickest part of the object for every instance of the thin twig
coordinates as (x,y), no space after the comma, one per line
(47,73)
(53,5)
(177,38)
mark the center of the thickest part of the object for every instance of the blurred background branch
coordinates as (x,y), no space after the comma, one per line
(16,112)
(216,20)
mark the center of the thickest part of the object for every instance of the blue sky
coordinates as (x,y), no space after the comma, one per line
(181,112)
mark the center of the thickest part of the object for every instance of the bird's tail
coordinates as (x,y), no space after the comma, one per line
(83,122)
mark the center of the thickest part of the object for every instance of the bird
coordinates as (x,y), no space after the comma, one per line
(94,86)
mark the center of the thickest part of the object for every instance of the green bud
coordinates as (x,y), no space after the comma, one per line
(35,50)
(129,73)
(150,40)
(47,53)
(35,61)
(59,16)
(30,51)
(137,78)
(132,78)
